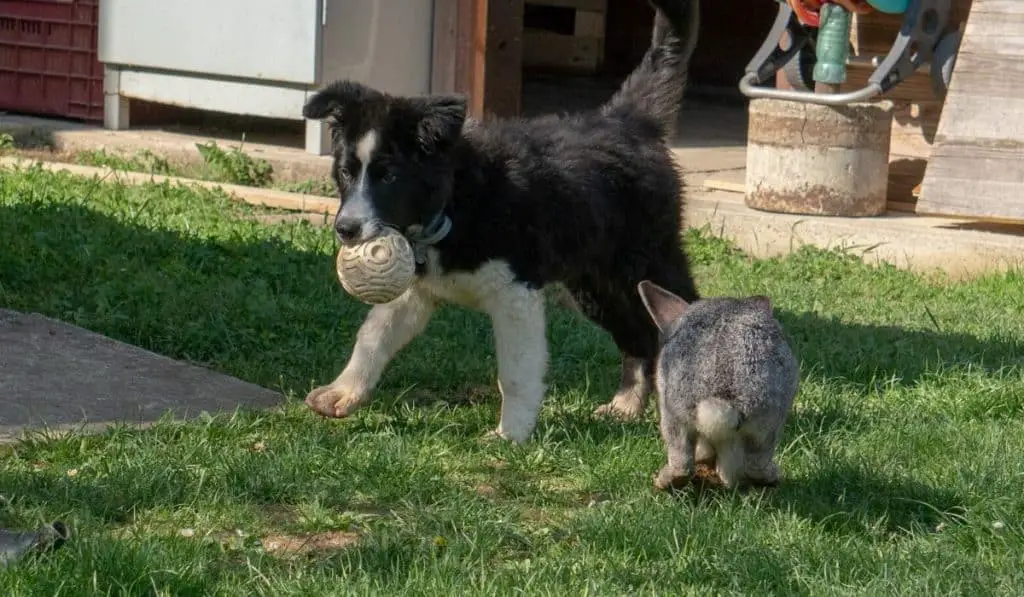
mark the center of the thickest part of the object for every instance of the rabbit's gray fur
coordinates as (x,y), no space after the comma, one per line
(726,379)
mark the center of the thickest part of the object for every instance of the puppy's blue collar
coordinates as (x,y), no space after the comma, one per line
(435,232)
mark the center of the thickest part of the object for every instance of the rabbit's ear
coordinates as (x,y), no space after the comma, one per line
(664,307)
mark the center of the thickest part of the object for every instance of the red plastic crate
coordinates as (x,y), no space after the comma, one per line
(48,63)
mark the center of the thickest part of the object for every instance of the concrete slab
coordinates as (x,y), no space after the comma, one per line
(290,164)
(959,248)
(710,138)
(57,376)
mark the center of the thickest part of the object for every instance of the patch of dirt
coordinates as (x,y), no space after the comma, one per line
(279,514)
(292,545)
(487,491)
(704,475)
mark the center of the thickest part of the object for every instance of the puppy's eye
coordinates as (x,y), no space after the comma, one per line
(382,173)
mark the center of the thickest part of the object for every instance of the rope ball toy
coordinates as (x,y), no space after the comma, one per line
(379,270)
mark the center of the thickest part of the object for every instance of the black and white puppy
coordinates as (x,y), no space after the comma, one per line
(498,209)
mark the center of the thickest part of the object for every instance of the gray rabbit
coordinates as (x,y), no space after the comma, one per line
(726,379)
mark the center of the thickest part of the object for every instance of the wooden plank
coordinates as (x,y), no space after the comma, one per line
(731,186)
(977,164)
(490,56)
(580,51)
(544,49)
(913,128)
(502,48)
(589,23)
(594,5)
(443,67)
(478,58)
(465,74)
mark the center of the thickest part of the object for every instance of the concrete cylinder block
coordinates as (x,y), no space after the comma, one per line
(818,160)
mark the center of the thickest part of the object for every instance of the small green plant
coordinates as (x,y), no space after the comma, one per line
(6,141)
(143,161)
(322,187)
(235,166)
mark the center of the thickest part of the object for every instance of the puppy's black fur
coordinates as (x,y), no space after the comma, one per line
(591,200)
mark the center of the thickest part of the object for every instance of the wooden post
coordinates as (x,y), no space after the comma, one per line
(503,58)
(478,52)
(976,168)
(443,71)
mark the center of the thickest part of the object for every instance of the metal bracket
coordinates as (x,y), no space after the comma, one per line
(924,23)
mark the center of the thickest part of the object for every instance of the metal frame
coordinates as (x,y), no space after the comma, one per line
(924,23)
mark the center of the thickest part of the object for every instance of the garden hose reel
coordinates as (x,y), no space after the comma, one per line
(818,51)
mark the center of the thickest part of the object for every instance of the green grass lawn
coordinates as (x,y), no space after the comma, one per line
(903,456)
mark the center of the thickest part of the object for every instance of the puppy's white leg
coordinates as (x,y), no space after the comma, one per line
(517,314)
(387,329)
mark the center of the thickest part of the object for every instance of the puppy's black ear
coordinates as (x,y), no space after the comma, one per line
(441,121)
(337,100)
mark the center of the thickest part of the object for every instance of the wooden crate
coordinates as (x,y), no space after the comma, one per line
(564,35)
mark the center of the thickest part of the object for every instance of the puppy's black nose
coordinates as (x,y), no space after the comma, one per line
(348,228)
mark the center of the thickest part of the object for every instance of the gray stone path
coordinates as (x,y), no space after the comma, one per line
(60,376)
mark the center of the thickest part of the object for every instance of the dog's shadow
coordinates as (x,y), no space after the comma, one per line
(844,499)
(847,499)
(863,354)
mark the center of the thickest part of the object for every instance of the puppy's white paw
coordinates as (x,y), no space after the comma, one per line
(334,402)
(514,436)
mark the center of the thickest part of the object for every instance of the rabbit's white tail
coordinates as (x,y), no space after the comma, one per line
(716,419)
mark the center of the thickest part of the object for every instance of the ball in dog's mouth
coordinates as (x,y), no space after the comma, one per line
(378,270)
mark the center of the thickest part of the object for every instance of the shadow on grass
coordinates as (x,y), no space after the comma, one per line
(865,354)
(845,499)
(268,312)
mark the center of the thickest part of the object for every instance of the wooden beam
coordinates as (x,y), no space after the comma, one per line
(503,58)
(478,53)
(443,70)
(478,58)
(464,47)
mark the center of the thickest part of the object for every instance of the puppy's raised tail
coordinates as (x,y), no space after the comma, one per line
(655,88)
